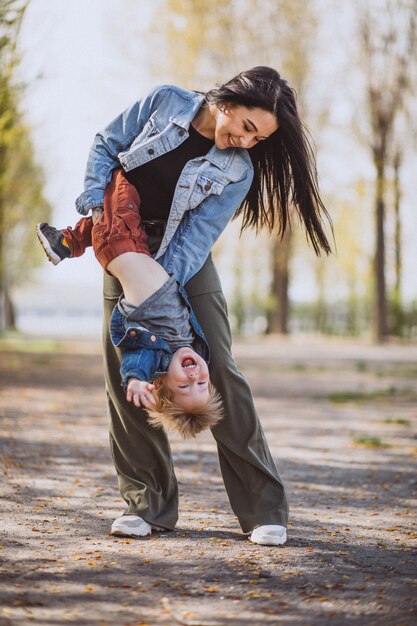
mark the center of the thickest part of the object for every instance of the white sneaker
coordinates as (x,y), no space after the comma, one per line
(269,535)
(130,526)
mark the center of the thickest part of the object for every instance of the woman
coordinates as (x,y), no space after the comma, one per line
(197,160)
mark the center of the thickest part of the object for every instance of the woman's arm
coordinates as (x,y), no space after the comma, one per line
(103,156)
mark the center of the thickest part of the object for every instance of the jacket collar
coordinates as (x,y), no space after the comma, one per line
(188,112)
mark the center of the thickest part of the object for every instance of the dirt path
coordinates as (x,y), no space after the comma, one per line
(341,421)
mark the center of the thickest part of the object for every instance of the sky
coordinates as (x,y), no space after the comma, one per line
(83,63)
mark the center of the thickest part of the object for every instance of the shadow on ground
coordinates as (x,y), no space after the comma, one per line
(350,558)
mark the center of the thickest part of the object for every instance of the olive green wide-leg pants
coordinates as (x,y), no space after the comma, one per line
(141,453)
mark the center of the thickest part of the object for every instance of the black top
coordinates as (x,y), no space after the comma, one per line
(156,180)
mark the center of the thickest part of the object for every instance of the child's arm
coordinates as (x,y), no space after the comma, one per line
(140,393)
(138,361)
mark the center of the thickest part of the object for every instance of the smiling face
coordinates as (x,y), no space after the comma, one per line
(188,379)
(240,127)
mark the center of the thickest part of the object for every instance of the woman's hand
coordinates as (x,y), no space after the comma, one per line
(140,393)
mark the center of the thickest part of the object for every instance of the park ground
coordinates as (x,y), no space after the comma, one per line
(340,418)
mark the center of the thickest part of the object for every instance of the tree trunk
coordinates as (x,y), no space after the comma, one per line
(352,309)
(3,299)
(238,306)
(7,310)
(380,298)
(2,311)
(396,310)
(397,232)
(280,256)
(320,310)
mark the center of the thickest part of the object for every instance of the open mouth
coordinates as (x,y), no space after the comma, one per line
(188,362)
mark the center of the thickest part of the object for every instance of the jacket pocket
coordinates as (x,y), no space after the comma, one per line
(130,338)
(148,131)
(204,187)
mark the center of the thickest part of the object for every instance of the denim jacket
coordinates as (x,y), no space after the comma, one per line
(209,190)
(144,355)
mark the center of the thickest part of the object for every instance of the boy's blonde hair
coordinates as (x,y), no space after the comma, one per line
(171,417)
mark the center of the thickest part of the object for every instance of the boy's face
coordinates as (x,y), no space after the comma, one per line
(188,379)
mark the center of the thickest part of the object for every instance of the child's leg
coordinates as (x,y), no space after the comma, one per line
(119,229)
(78,238)
(120,242)
(139,275)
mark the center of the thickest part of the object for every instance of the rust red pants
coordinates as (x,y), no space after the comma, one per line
(118,230)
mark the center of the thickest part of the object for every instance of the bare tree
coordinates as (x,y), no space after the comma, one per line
(387,30)
(295,26)
(280,281)
(198,41)
(397,162)
(204,42)
(404,141)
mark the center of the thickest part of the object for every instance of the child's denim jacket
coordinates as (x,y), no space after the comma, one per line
(144,355)
(209,190)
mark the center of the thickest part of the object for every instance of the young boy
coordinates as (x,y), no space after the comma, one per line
(164,352)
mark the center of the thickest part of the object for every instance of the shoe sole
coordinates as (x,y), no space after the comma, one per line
(122,533)
(120,530)
(268,540)
(52,256)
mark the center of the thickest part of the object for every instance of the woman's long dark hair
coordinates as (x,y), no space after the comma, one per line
(285,171)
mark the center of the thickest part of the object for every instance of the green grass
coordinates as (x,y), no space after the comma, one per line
(270,366)
(361,366)
(399,371)
(397,420)
(298,367)
(369,442)
(22,344)
(341,397)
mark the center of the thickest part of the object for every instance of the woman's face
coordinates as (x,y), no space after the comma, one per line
(240,127)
